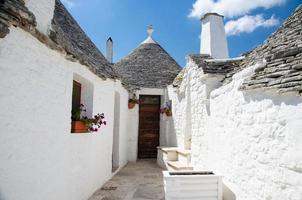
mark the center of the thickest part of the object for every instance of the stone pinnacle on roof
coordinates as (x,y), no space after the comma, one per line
(150,30)
(149,39)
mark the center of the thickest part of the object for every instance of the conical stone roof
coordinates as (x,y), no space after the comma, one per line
(148,66)
(73,39)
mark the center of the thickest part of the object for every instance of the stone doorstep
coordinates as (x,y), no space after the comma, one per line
(177,166)
(184,152)
(175,149)
(184,158)
(167,149)
(182,161)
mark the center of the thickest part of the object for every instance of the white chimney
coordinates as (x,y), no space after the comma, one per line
(109,47)
(213,37)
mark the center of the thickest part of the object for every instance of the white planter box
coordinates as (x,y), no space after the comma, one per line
(192,185)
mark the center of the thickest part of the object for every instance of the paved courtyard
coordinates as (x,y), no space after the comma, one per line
(137,181)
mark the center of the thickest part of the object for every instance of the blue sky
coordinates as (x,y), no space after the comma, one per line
(176,23)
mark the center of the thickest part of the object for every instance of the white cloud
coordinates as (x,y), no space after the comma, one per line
(68,3)
(248,24)
(231,8)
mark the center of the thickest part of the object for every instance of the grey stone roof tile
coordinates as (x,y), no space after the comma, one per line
(148,66)
(215,66)
(68,34)
(283,54)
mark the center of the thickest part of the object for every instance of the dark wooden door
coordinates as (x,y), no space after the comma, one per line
(148,137)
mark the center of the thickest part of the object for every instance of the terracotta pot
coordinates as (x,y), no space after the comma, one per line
(78,127)
(131,105)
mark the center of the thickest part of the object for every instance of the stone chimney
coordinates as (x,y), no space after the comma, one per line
(213,37)
(109,47)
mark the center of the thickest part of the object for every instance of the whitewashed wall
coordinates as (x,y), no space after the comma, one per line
(123,123)
(252,138)
(166,126)
(43,11)
(133,133)
(40,158)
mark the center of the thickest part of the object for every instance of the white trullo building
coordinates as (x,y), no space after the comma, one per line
(239,117)
(148,70)
(45,58)
(242,117)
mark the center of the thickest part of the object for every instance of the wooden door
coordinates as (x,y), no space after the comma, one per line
(148,137)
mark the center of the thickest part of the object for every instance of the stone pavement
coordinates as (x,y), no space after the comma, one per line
(142,180)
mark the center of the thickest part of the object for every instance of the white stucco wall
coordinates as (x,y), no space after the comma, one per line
(43,11)
(133,119)
(166,123)
(252,138)
(123,123)
(40,158)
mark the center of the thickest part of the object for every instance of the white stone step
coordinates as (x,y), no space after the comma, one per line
(178,166)
(165,154)
(184,156)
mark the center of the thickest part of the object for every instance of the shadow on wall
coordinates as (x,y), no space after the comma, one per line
(228,194)
(180,95)
(277,99)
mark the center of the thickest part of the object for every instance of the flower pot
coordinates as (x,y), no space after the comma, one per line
(78,127)
(131,105)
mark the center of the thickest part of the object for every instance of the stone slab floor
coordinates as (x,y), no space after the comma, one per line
(140,180)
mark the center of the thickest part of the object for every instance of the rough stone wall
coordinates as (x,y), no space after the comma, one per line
(187,111)
(252,138)
(249,129)
(37,149)
(254,141)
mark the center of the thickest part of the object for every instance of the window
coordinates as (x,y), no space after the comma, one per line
(76,95)
(82,93)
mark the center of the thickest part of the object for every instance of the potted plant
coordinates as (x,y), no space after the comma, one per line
(95,123)
(166,110)
(84,124)
(132,101)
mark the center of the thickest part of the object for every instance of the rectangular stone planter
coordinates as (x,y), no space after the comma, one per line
(192,185)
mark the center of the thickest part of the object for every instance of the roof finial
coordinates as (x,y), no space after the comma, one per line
(150,30)
(149,39)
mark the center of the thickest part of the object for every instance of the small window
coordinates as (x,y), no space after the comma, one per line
(82,102)
(76,95)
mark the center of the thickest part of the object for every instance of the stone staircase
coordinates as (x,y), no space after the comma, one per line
(174,159)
